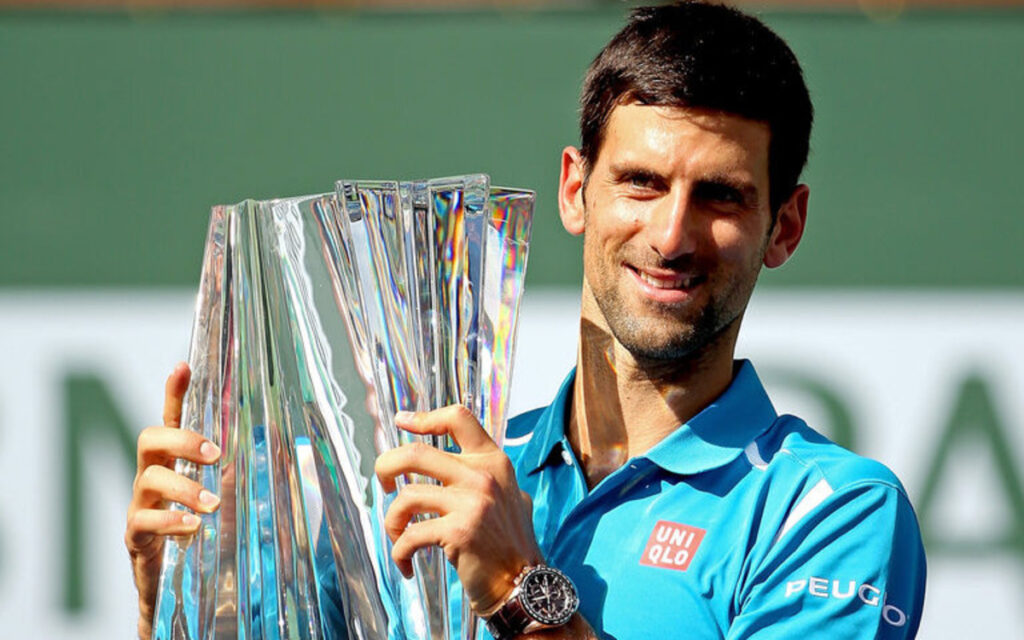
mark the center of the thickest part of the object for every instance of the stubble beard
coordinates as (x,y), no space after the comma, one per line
(658,341)
(661,336)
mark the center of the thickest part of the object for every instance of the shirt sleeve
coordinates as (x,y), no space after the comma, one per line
(851,567)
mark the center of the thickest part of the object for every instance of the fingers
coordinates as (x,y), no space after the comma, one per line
(145,524)
(174,392)
(416,536)
(412,500)
(157,485)
(162,445)
(420,458)
(455,420)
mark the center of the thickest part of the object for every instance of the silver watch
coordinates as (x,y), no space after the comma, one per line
(543,597)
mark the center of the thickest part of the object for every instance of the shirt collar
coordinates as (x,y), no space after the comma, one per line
(712,438)
(722,430)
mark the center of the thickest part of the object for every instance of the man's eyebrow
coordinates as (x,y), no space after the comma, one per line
(631,168)
(746,189)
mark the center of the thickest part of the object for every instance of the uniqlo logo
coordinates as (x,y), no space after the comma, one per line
(672,545)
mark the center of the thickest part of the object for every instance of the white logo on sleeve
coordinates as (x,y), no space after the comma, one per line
(843,589)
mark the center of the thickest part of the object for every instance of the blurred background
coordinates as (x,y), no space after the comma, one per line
(896,329)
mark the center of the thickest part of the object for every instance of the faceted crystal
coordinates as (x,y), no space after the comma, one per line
(318,318)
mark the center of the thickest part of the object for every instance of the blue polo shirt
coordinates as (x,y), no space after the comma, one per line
(739,524)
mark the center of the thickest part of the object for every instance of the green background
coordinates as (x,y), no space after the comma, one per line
(119,130)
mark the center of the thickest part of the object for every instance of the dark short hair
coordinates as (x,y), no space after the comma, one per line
(700,55)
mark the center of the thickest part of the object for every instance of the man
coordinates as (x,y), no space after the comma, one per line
(660,482)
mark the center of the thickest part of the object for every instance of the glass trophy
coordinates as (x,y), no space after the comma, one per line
(317,319)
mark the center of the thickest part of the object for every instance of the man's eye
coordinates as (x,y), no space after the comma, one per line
(719,193)
(641,181)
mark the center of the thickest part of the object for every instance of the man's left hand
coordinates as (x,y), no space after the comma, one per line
(484,521)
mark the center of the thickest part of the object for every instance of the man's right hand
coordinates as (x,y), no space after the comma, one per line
(156,485)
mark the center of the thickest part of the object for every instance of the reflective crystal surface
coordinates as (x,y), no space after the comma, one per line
(318,318)
(506,245)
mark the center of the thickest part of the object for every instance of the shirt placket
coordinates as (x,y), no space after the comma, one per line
(609,492)
(563,487)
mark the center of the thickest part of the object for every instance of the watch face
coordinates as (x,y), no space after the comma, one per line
(548,596)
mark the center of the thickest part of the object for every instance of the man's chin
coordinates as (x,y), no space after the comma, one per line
(664,340)
(660,349)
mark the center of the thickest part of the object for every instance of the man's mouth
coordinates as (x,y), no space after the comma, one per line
(668,282)
(666,279)
(664,285)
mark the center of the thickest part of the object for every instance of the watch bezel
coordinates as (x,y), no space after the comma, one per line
(572,604)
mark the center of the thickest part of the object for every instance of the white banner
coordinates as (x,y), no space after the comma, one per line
(929,383)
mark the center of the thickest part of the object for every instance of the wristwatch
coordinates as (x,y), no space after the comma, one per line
(543,597)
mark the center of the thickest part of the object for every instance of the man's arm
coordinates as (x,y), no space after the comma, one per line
(852,568)
(156,485)
(484,521)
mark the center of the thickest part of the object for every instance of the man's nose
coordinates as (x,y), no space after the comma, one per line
(671,227)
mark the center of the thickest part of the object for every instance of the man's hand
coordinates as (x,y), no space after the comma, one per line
(156,485)
(484,523)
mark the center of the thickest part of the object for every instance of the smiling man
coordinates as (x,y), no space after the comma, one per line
(660,494)
(661,484)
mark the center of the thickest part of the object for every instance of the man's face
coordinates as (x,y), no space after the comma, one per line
(676,224)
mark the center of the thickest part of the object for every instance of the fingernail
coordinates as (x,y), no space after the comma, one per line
(404,416)
(190,520)
(209,450)
(207,499)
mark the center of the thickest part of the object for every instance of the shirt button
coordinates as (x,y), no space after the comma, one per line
(566,457)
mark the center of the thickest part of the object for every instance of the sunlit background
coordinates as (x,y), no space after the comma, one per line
(898,328)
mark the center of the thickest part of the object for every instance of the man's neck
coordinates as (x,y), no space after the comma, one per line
(621,407)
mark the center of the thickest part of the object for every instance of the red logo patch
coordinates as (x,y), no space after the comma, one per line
(672,545)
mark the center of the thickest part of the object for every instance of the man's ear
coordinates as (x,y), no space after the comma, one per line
(570,191)
(788,228)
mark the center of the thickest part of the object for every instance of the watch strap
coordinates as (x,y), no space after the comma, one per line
(509,620)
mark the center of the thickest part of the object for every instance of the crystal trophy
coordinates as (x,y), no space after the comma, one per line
(317,318)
